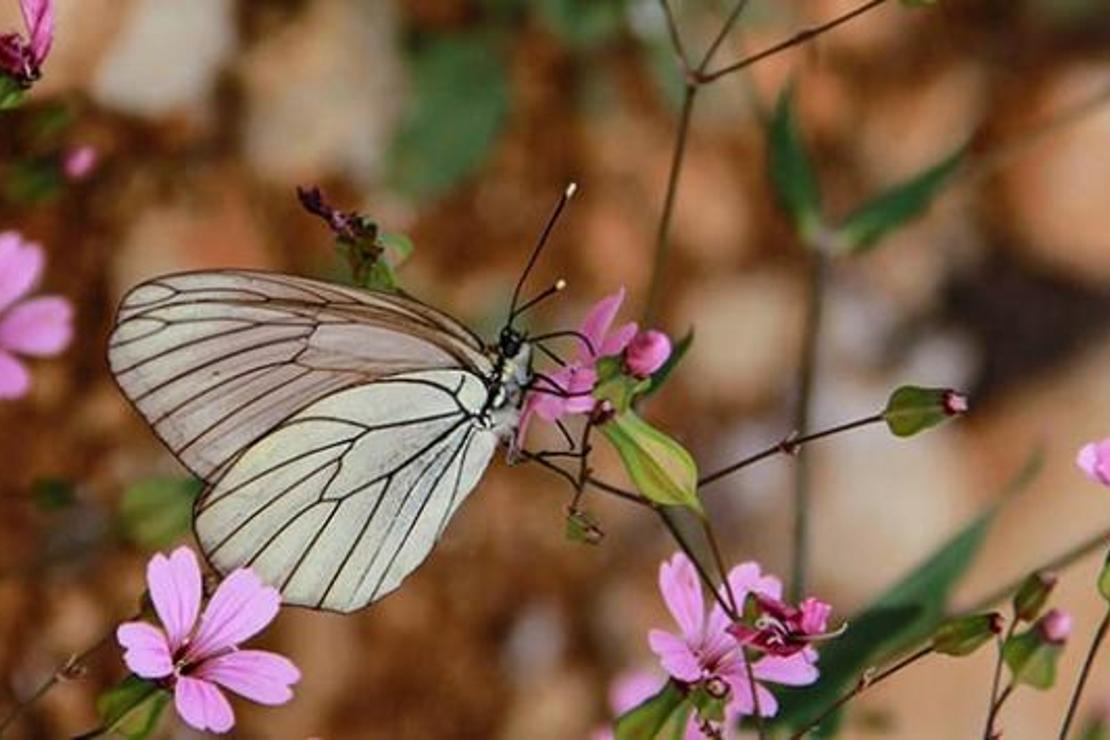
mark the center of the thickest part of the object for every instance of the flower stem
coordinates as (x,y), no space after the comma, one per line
(753,687)
(1073,705)
(72,668)
(997,680)
(807,375)
(1095,542)
(707,580)
(798,38)
(863,684)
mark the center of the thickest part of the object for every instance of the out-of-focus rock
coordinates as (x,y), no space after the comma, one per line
(1058,190)
(166,58)
(323,95)
(748,329)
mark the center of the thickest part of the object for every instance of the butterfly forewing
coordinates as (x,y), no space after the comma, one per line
(345,498)
(216,360)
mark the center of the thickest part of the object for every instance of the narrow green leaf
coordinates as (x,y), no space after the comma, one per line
(157,512)
(791,173)
(659,377)
(912,409)
(661,469)
(460,103)
(646,720)
(896,206)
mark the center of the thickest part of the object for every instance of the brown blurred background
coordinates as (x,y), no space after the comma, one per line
(458,123)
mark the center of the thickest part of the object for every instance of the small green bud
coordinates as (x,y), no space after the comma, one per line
(1104,579)
(912,409)
(1033,595)
(662,470)
(964,635)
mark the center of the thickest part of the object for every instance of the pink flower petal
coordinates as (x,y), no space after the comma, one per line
(681,589)
(146,652)
(39,17)
(175,589)
(14,378)
(742,704)
(597,322)
(1094,461)
(647,352)
(258,675)
(615,343)
(240,608)
(795,670)
(675,655)
(40,327)
(21,265)
(633,688)
(746,578)
(815,616)
(202,705)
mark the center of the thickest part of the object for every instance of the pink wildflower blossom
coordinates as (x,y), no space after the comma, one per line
(21,58)
(704,651)
(195,657)
(1094,460)
(37,327)
(79,162)
(782,629)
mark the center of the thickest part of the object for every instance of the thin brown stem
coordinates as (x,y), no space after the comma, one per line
(1059,562)
(683,545)
(798,38)
(757,713)
(722,34)
(1088,662)
(997,680)
(862,685)
(675,37)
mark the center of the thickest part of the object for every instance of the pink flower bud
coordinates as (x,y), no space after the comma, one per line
(1094,460)
(955,403)
(79,162)
(647,352)
(1055,626)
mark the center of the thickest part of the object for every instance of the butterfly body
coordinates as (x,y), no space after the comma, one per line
(337,430)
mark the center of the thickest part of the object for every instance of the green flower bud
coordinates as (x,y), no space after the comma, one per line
(1032,595)
(964,635)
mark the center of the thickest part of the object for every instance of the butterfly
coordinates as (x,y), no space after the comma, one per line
(337,430)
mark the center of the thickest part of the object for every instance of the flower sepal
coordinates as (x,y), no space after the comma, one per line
(133,707)
(1032,655)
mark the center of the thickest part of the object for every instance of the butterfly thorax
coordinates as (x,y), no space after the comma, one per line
(510,377)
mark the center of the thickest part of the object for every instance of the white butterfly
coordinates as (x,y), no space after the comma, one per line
(337,430)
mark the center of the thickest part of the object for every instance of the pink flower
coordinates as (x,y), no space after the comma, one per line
(782,629)
(79,162)
(20,58)
(647,352)
(38,327)
(1094,460)
(567,390)
(704,651)
(196,658)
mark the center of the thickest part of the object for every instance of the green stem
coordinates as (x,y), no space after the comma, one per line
(863,684)
(807,375)
(1073,705)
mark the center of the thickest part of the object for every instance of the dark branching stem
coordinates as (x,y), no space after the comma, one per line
(706,578)
(996,680)
(1084,673)
(757,713)
(865,682)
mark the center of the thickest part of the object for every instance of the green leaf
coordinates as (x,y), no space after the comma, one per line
(157,512)
(896,206)
(584,24)
(661,469)
(398,247)
(459,107)
(912,409)
(1031,659)
(659,377)
(52,494)
(1104,579)
(132,708)
(790,170)
(646,720)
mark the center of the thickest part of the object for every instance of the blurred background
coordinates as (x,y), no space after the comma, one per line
(459,123)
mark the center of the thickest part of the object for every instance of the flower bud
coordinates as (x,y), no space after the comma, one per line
(1032,595)
(912,409)
(661,468)
(1055,626)
(647,352)
(964,635)
(79,162)
(1094,461)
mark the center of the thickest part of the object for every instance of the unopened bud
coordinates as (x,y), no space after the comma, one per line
(647,352)
(964,635)
(954,403)
(1055,626)
(1033,595)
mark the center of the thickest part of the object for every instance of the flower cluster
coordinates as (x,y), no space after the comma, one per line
(710,650)
(195,657)
(36,327)
(568,390)
(20,58)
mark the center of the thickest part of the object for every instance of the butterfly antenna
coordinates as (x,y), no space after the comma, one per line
(551,221)
(558,286)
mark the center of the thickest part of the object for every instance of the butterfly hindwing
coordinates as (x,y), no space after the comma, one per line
(345,498)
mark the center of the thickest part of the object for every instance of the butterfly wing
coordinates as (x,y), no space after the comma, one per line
(215,360)
(345,498)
